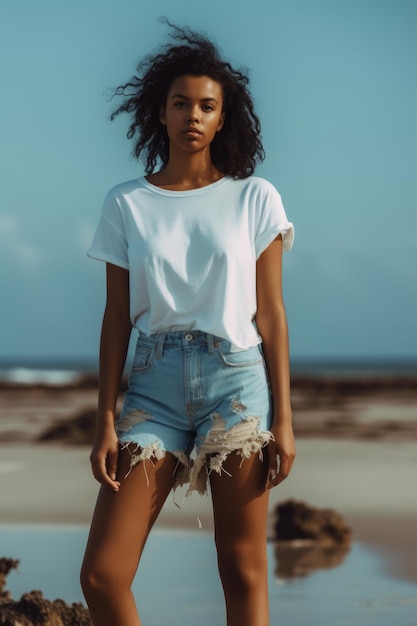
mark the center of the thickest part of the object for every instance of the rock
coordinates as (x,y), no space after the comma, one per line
(78,430)
(33,609)
(297,520)
(307,539)
(6,566)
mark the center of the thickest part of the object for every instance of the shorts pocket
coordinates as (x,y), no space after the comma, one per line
(243,358)
(143,359)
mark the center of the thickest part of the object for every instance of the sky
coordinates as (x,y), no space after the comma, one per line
(334,85)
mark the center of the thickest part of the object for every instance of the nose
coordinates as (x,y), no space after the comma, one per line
(194,114)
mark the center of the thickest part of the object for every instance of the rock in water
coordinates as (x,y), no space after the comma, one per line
(6,566)
(307,539)
(33,609)
(298,520)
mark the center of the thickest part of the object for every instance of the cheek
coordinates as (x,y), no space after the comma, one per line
(219,124)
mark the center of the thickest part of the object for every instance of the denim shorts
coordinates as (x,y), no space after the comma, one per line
(190,395)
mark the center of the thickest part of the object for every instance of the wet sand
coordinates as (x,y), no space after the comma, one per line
(351,592)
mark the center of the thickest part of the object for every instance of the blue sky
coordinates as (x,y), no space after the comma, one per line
(334,85)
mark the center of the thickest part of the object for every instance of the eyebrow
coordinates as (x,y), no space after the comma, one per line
(179,95)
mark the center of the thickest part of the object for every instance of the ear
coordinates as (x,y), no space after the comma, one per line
(162,115)
(221,122)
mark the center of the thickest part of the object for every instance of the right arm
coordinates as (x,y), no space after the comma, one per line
(115,335)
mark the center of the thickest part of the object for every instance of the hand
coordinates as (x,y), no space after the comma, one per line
(103,458)
(283,446)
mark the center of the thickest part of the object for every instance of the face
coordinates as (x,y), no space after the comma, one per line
(193,112)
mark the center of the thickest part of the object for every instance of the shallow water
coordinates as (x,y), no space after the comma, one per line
(178,583)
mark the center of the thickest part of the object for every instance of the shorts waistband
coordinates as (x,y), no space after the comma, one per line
(182,338)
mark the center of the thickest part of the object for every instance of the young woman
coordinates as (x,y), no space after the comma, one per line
(193,254)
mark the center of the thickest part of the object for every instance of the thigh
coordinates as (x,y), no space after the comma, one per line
(240,500)
(153,420)
(235,387)
(122,520)
(235,417)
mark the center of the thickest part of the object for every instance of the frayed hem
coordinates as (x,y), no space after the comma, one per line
(244,439)
(153,453)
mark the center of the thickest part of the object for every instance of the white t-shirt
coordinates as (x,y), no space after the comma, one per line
(191,255)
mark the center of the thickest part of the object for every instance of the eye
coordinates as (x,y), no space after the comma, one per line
(207,107)
(179,105)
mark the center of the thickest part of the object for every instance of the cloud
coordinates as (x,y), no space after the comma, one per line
(15,247)
(7,224)
(84,235)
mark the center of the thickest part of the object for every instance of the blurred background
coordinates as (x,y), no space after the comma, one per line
(334,85)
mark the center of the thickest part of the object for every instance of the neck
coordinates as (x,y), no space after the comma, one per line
(187,171)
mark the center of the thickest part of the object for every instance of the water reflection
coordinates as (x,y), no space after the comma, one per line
(294,559)
(307,539)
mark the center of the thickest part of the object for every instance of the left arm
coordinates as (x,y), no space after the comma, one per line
(271,323)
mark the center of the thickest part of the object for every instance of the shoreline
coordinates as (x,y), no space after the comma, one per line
(51,485)
(390,538)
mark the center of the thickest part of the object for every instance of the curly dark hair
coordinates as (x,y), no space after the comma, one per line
(236,149)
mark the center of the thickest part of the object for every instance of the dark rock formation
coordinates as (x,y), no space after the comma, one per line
(6,566)
(78,430)
(297,520)
(307,539)
(33,609)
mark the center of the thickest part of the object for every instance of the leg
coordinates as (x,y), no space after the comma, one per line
(121,524)
(240,504)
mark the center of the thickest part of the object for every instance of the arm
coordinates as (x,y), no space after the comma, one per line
(271,323)
(115,334)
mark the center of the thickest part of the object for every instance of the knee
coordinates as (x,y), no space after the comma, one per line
(94,582)
(89,581)
(242,566)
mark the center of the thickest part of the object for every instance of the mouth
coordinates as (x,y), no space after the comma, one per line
(192,132)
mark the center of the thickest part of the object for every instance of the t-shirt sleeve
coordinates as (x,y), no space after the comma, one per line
(109,242)
(273,222)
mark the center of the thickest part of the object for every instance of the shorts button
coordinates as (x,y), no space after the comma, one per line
(188,337)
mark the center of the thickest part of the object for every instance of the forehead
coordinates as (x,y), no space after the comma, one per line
(196,87)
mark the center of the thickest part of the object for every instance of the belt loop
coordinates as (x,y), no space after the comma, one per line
(160,344)
(210,343)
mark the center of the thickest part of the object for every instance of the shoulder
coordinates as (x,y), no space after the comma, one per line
(261,185)
(125,198)
(255,184)
(125,189)
(119,202)
(257,191)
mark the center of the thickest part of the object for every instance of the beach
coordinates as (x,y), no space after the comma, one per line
(371,484)
(356,453)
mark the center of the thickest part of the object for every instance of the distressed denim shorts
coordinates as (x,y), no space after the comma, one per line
(189,394)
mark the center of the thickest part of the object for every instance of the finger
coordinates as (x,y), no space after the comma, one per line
(112,464)
(273,463)
(100,474)
(285,466)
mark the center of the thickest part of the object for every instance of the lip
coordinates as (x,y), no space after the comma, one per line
(192,131)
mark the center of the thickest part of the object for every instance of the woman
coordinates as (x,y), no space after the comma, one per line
(193,254)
